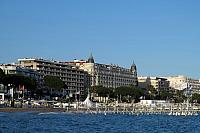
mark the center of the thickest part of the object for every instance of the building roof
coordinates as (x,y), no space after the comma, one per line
(91,59)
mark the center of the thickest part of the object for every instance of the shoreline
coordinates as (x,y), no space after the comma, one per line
(136,111)
(105,112)
(12,110)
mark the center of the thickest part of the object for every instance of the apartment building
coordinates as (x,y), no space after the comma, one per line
(157,82)
(16,69)
(178,83)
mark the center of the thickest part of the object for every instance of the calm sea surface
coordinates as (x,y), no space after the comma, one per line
(31,122)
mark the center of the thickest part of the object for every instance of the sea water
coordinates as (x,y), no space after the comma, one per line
(33,122)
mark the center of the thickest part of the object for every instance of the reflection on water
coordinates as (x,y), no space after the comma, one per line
(31,122)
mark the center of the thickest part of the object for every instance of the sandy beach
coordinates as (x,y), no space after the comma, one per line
(32,110)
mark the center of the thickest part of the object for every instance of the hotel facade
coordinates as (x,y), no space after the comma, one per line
(107,75)
(73,77)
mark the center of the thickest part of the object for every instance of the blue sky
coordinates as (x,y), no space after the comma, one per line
(161,36)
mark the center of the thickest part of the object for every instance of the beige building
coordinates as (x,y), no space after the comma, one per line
(156,82)
(107,75)
(73,77)
(179,83)
(16,69)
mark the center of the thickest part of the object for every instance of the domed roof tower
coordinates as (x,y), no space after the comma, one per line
(91,59)
(134,68)
(134,71)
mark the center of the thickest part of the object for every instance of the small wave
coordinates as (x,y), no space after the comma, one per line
(2,114)
(48,113)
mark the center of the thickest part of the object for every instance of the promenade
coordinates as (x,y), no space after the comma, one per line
(134,109)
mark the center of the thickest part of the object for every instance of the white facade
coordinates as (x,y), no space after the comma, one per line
(153,103)
(178,82)
(9,68)
(16,69)
(107,75)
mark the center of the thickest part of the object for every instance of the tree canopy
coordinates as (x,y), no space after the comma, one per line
(127,93)
(101,91)
(2,75)
(196,98)
(18,79)
(54,82)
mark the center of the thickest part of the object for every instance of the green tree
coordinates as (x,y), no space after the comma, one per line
(124,93)
(93,89)
(152,92)
(102,91)
(16,81)
(164,95)
(137,93)
(13,79)
(179,96)
(129,93)
(2,75)
(31,85)
(195,98)
(54,82)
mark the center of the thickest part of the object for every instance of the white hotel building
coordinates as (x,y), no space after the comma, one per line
(107,75)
